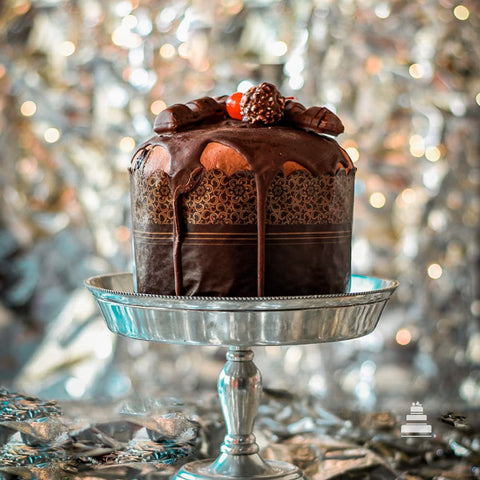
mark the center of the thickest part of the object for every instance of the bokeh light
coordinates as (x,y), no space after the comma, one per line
(377,200)
(130,21)
(123,234)
(403,336)
(278,49)
(158,106)
(124,37)
(51,135)
(127,144)
(75,387)
(244,85)
(461,12)
(353,153)
(435,271)
(28,108)
(67,48)
(183,50)
(417,146)
(382,10)
(433,154)
(167,51)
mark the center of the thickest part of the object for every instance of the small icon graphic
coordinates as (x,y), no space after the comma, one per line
(416,425)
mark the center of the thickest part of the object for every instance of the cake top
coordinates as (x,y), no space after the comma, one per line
(260,127)
(261,105)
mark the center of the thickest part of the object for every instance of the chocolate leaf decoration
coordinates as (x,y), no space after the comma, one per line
(314,119)
(179,116)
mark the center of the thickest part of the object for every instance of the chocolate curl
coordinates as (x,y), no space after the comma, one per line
(179,116)
(314,119)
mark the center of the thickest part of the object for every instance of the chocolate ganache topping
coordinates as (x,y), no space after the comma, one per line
(184,131)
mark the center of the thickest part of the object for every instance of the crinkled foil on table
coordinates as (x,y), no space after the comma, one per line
(39,440)
(150,439)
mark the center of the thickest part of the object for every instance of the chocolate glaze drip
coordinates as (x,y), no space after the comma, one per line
(262,182)
(264,148)
(183,184)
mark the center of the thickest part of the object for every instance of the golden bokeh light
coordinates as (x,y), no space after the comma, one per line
(183,50)
(126,144)
(377,200)
(403,336)
(158,106)
(417,146)
(435,271)
(353,153)
(51,135)
(28,108)
(433,154)
(415,70)
(461,12)
(167,51)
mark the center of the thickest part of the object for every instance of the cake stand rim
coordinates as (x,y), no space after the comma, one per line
(264,321)
(239,303)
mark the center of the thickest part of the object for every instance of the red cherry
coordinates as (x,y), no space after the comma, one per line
(233,105)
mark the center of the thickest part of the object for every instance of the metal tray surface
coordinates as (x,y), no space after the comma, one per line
(240,321)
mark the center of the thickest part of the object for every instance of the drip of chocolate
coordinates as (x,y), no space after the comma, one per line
(182,185)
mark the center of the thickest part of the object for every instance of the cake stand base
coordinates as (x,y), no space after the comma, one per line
(203,470)
(239,389)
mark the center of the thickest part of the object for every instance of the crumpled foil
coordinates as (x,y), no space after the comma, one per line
(141,439)
(39,435)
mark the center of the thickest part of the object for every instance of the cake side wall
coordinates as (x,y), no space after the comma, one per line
(308,234)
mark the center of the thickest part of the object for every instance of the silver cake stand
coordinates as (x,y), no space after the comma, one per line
(240,324)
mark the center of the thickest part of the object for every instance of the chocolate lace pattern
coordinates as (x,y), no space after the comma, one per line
(222,199)
(153,199)
(298,198)
(301,199)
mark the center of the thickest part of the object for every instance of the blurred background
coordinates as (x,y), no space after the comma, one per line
(80,85)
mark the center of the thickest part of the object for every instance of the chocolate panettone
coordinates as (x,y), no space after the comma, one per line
(242,196)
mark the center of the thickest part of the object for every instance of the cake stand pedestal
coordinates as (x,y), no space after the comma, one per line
(240,323)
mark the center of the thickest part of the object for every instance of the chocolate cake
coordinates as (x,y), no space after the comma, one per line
(247,195)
